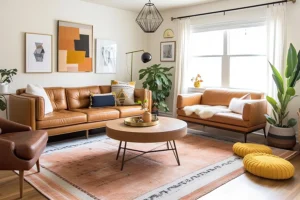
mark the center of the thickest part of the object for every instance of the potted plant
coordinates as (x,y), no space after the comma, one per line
(281,133)
(158,81)
(6,78)
(146,116)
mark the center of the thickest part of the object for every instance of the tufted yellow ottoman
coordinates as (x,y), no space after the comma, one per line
(242,149)
(268,166)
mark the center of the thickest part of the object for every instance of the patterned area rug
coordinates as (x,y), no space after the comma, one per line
(89,170)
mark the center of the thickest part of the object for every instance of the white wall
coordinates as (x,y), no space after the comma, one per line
(293,28)
(40,16)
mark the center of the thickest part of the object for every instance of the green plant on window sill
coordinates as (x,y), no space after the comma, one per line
(292,75)
(158,81)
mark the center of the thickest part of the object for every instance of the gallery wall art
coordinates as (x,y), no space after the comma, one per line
(168,51)
(75,47)
(106,56)
(38,53)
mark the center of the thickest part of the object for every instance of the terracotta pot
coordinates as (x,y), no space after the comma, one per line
(284,138)
(147,117)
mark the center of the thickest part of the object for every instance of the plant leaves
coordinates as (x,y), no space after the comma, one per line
(277,79)
(292,122)
(290,91)
(273,103)
(292,61)
(275,115)
(270,120)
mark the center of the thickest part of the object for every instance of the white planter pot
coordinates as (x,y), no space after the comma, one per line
(3,88)
(281,137)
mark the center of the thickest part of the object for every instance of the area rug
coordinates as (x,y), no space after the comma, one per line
(90,170)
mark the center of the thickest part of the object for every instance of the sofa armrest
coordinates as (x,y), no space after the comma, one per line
(22,110)
(39,105)
(10,127)
(142,94)
(255,111)
(188,99)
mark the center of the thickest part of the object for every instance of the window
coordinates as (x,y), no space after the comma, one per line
(233,57)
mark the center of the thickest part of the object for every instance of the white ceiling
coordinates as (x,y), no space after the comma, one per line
(136,5)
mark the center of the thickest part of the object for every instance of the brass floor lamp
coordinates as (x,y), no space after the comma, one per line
(146,57)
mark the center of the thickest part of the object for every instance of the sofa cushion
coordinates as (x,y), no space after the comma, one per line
(80,97)
(99,114)
(39,91)
(222,97)
(223,118)
(28,143)
(57,97)
(124,92)
(129,111)
(102,100)
(61,118)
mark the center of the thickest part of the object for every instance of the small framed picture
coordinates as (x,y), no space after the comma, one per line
(168,51)
(106,56)
(38,53)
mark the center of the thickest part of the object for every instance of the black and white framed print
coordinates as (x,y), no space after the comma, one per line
(106,56)
(168,51)
(38,53)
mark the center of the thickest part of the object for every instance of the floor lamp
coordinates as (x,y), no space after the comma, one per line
(146,57)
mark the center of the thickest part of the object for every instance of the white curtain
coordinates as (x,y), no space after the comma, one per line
(276,34)
(180,83)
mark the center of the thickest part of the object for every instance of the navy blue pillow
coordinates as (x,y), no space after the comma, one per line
(102,101)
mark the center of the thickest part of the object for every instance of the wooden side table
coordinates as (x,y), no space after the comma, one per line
(5,100)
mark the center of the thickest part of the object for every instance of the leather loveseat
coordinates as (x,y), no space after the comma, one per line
(252,118)
(71,112)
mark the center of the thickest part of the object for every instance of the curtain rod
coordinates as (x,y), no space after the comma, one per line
(233,9)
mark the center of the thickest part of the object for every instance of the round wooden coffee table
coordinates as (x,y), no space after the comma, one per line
(168,130)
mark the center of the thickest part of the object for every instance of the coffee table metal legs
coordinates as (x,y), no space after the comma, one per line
(170,147)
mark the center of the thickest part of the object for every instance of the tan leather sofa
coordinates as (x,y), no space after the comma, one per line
(251,120)
(71,109)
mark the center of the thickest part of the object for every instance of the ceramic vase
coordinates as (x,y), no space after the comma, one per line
(147,117)
(3,88)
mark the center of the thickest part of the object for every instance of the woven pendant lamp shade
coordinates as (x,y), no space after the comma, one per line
(149,19)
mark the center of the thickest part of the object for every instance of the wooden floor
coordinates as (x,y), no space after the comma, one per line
(243,187)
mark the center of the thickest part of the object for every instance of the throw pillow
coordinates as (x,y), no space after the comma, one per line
(102,100)
(237,104)
(124,92)
(39,91)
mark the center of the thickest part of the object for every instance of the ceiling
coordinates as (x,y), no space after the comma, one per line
(136,5)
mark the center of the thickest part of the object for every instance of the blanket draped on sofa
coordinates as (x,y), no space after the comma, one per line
(205,111)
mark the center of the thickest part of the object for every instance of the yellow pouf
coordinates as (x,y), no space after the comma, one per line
(268,166)
(242,149)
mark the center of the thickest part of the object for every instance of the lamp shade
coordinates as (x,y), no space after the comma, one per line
(146,57)
(149,19)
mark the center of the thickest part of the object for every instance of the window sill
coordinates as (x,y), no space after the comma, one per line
(196,90)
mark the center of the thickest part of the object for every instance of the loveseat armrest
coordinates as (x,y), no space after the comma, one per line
(10,126)
(22,110)
(188,99)
(255,111)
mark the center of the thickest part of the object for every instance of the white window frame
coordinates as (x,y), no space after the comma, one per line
(225,68)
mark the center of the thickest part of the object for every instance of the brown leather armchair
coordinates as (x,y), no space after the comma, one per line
(20,148)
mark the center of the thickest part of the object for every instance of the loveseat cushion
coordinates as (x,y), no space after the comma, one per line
(99,114)
(28,143)
(61,118)
(223,118)
(129,111)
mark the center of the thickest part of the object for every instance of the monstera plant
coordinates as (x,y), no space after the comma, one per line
(157,79)
(281,127)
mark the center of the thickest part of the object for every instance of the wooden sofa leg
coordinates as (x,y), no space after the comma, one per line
(21,181)
(265,133)
(245,137)
(87,134)
(38,165)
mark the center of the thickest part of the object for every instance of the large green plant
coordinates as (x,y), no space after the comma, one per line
(286,90)
(158,81)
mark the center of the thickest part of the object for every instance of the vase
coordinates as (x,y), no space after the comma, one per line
(147,117)
(197,84)
(284,138)
(3,88)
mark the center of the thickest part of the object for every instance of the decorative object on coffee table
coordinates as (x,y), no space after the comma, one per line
(139,122)
(38,53)
(75,47)
(282,134)
(168,130)
(147,116)
(168,51)
(106,56)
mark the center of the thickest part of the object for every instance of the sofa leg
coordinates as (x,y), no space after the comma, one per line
(38,165)
(87,134)
(265,133)
(21,181)
(245,137)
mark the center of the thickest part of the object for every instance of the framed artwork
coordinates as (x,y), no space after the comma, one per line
(168,33)
(167,51)
(75,47)
(38,50)
(106,56)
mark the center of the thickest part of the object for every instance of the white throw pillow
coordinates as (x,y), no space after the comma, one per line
(237,104)
(124,92)
(39,91)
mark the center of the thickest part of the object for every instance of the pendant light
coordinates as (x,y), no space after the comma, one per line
(149,19)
